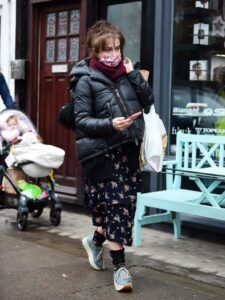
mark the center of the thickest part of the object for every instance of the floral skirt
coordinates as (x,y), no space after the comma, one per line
(113,201)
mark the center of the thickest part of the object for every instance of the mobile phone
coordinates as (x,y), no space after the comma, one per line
(134,116)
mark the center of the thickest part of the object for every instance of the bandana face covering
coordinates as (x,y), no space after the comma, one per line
(110,60)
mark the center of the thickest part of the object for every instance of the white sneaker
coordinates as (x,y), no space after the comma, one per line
(122,280)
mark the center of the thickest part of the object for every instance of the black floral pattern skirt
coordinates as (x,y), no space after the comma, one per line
(113,201)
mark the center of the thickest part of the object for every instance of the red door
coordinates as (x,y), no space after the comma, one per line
(59,48)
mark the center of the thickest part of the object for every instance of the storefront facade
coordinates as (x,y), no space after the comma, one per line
(181,43)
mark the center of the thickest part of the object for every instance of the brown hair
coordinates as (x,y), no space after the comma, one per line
(97,35)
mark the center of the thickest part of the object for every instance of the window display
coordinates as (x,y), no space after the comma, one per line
(198,70)
(198,85)
(201,34)
(202,3)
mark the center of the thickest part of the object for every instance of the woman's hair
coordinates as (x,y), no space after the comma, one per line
(99,33)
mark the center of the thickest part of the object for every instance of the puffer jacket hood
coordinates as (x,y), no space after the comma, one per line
(79,70)
(98,100)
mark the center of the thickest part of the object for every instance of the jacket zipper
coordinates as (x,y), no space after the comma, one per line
(125,109)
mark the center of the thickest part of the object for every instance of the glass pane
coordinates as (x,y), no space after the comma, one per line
(62,23)
(198,85)
(61,56)
(50,24)
(75,21)
(50,51)
(128,18)
(74,49)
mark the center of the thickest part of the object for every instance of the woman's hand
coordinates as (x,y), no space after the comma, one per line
(121,123)
(128,64)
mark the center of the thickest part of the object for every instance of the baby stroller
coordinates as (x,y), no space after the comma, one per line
(26,169)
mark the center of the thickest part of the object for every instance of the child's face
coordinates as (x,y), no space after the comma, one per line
(12,124)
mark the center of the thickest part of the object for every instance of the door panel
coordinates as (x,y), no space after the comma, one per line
(59,49)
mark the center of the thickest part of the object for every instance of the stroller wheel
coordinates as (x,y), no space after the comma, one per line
(21,221)
(55,216)
(37,212)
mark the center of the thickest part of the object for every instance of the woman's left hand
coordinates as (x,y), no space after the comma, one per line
(128,64)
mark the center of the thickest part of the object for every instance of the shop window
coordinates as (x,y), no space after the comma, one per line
(198,81)
(127,16)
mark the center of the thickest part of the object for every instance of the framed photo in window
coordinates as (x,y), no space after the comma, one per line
(202,3)
(198,70)
(218,27)
(218,68)
(201,34)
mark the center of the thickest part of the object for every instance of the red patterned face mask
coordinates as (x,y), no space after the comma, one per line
(111,60)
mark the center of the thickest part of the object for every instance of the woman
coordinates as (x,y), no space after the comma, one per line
(106,91)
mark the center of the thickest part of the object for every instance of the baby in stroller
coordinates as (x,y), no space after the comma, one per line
(27,167)
(14,132)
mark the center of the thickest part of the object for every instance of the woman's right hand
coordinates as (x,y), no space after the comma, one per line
(121,123)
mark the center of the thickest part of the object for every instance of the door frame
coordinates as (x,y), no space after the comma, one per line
(35,9)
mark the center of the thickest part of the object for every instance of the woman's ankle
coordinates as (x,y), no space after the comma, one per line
(98,238)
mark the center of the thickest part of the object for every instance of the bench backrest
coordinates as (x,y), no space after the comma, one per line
(197,151)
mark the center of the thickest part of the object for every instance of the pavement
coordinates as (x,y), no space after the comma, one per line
(202,253)
(198,255)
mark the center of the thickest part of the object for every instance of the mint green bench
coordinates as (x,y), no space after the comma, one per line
(198,157)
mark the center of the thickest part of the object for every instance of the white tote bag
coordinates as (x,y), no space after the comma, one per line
(154,142)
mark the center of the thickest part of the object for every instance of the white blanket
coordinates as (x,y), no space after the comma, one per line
(45,157)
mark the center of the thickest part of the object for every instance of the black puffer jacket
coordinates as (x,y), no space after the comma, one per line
(98,100)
